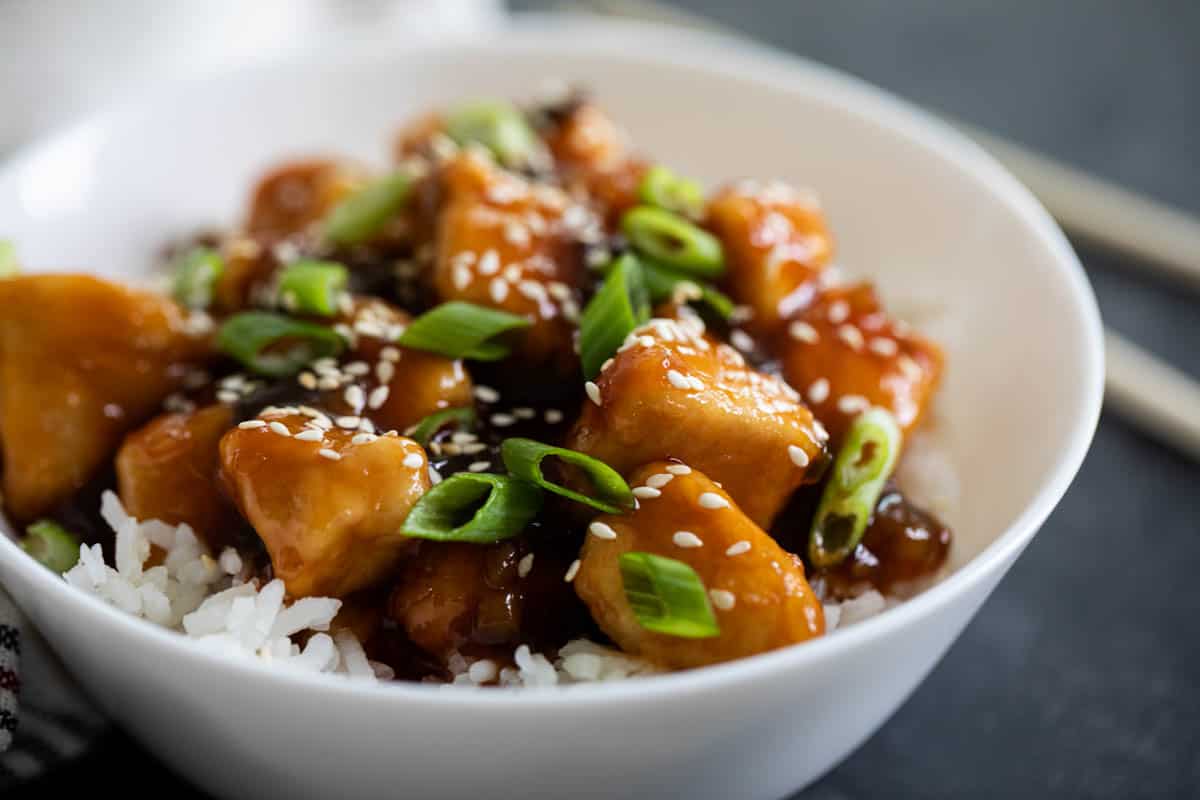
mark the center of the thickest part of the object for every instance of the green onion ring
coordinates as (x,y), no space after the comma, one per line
(255,338)
(662,282)
(667,596)
(497,125)
(620,305)
(462,330)
(196,274)
(312,287)
(523,458)
(662,188)
(672,241)
(474,507)
(51,545)
(361,215)
(861,469)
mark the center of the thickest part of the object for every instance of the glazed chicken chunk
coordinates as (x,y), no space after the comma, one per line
(82,361)
(672,392)
(776,246)
(328,507)
(507,244)
(758,591)
(167,470)
(593,153)
(294,196)
(845,354)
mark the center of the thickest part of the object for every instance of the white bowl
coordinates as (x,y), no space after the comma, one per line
(913,204)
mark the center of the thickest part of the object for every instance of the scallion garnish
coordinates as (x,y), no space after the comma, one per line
(859,473)
(662,284)
(462,330)
(497,125)
(667,596)
(360,216)
(196,274)
(8,259)
(312,287)
(475,507)
(51,544)
(523,458)
(273,344)
(617,308)
(672,241)
(425,429)
(662,188)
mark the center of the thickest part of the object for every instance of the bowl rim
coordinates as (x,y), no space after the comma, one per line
(707,54)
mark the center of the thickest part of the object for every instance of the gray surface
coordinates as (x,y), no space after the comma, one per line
(1081,676)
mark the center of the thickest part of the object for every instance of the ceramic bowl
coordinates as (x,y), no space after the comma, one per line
(914,205)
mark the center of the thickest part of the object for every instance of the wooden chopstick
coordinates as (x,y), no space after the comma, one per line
(1162,400)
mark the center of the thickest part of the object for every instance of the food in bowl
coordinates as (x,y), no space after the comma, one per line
(524,409)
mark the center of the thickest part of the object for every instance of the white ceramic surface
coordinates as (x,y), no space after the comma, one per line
(912,203)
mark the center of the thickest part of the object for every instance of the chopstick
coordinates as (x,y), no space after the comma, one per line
(1158,398)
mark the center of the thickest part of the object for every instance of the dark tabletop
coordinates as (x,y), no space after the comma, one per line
(1081,675)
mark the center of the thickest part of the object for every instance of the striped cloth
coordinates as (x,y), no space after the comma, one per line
(57,722)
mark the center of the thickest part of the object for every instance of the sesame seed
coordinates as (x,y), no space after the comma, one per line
(910,368)
(524,412)
(358,368)
(839,312)
(722,599)
(798,455)
(511,273)
(486,394)
(677,379)
(384,371)
(602,531)
(852,336)
(435,477)
(607,363)
(332,455)
(378,397)
(461,275)
(227,396)
(279,428)
(525,565)
(498,289)
(712,500)
(646,492)
(307,380)
(553,416)
(348,422)
(503,420)
(389,353)
(882,346)
(686,539)
(489,263)
(696,383)
(852,403)
(659,480)
(310,435)
(532,289)
(462,437)
(473,448)
(328,383)
(818,392)
(354,396)
(572,571)
(741,340)
(482,671)
(479,466)
(737,548)
(679,469)
(593,392)
(251,424)
(803,332)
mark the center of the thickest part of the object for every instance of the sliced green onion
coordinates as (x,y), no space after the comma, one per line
(475,507)
(312,287)
(360,216)
(273,344)
(497,125)
(51,544)
(462,330)
(662,188)
(424,430)
(8,259)
(662,284)
(673,242)
(667,596)
(620,306)
(523,458)
(859,473)
(196,274)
